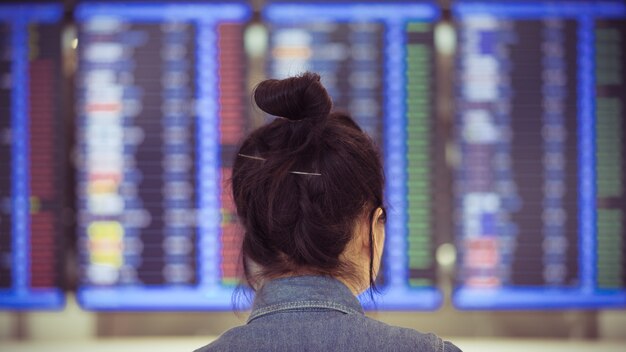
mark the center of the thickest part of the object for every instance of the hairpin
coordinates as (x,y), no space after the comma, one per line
(291,172)
(251,157)
(305,173)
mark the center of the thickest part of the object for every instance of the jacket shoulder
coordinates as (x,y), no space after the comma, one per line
(405,339)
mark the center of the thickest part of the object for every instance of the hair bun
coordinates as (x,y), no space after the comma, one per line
(295,98)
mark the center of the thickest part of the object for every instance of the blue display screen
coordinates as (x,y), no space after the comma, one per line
(31,158)
(540,189)
(160,100)
(538,147)
(377,61)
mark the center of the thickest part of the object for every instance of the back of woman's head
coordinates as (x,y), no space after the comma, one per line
(301,182)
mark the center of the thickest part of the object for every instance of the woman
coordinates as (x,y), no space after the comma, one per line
(309,193)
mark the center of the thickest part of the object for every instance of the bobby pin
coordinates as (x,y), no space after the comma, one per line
(305,173)
(291,172)
(251,157)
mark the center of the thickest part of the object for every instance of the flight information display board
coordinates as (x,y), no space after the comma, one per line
(376,59)
(31,157)
(540,192)
(161,104)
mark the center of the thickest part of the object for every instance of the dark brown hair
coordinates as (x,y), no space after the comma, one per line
(301,182)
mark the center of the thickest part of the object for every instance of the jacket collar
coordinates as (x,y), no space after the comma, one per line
(304,292)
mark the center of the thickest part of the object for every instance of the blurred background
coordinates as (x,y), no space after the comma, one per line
(501,125)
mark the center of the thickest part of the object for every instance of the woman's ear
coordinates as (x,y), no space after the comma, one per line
(377,226)
(378,229)
(378,237)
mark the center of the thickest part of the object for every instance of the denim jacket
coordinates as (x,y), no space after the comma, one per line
(314,313)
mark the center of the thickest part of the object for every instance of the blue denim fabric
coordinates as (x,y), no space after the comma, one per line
(314,313)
